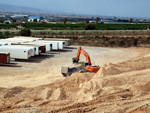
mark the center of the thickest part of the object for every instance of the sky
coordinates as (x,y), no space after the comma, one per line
(121,8)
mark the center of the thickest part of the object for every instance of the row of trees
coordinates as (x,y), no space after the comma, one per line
(97,20)
(43,26)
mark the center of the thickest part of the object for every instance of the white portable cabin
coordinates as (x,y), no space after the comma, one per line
(30,38)
(61,43)
(33,49)
(38,49)
(17,53)
(47,45)
(19,39)
(55,45)
(14,40)
(42,47)
(10,41)
(3,43)
(67,41)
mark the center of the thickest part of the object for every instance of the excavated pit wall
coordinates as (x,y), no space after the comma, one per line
(110,40)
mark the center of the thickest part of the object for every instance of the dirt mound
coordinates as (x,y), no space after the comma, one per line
(45,94)
(116,77)
(67,88)
(13,91)
(126,66)
(58,94)
(142,87)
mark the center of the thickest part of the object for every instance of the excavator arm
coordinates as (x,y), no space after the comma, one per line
(82,51)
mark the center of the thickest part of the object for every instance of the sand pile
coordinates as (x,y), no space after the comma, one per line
(127,66)
(13,91)
(115,77)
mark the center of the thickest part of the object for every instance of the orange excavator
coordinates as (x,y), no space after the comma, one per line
(86,66)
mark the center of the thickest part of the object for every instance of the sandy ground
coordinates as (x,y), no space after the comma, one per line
(46,68)
(121,85)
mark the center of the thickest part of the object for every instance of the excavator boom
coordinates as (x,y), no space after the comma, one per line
(76,59)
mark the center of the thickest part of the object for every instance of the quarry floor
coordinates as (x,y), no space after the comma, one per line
(46,68)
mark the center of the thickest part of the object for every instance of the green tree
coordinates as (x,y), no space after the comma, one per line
(65,20)
(14,20)
(35,20)
(7,33)
(25,32)
(89,27)
(97,19)
(87,22)
(1,20)
(1,35)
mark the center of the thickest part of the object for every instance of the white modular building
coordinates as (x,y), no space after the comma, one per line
(10,42)
(47,45)
(18,40)
(17,53)
(3,43)
(42,47)
(36,48)
(60,43)
(67,41)
(30,38)
(55,45)
(33,49)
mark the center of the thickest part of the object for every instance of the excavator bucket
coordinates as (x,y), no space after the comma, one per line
(66,71)
(74,60)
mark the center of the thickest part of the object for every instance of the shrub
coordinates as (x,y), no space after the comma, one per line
(25,32)
(89,27)
(7,33)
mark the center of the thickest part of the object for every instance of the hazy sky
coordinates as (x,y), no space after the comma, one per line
(124,8)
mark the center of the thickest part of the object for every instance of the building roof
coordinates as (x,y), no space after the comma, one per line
(4,53)
(36,17)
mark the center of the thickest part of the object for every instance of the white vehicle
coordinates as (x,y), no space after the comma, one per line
(17,53)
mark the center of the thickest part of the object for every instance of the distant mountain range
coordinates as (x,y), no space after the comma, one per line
(5,8)
(13,9)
